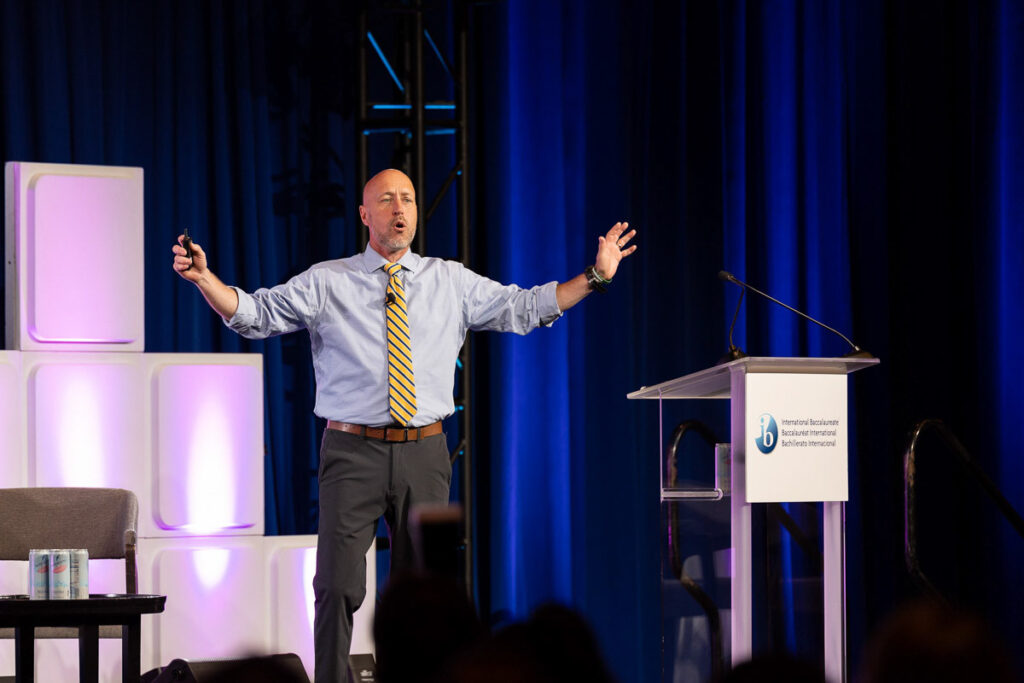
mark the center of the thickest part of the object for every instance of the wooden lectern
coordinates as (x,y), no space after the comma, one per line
(789,429)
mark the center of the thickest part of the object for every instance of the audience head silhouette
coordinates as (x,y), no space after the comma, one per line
(931,641)
(422,624)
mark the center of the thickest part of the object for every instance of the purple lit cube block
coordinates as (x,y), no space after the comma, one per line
(216,597)
(86,420)
(75,257)
(208,444)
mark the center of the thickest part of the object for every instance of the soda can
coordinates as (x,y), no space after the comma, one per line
(60,576)
(79,574)
(39,574)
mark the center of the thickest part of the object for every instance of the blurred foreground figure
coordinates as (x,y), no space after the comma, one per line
(930,641)
(775,668)
(554,646)
(420,627)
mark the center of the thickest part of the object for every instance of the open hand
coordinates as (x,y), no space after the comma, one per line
(611,249)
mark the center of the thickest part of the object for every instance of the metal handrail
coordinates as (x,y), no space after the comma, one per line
(696,592)
(910,495)
(783,517)
(672,470)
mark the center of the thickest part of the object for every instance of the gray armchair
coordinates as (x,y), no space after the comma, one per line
(103,521)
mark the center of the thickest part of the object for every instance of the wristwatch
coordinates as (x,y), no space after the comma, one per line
(594,280)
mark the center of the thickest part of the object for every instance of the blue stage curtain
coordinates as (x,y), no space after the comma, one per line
(571,515)
(856,159)
(1005,281)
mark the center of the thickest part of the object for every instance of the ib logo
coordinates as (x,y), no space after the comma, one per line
(768,433)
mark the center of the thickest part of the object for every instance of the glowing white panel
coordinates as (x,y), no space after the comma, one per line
(7,658)
(106,576)
(13,458)
(208,444)
(57,660)
(86,420)
(291,564)
(63,220)
(14,578)
(215,590)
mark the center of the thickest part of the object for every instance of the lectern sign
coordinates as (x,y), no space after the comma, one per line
(796,446)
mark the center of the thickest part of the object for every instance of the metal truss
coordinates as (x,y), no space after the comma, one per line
(395,116)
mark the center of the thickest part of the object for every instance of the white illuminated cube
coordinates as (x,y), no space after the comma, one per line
(57,660)
(13,580)
(291,565)
(74,245)
(87,420)
(216,598)
(207,416)
(13,458)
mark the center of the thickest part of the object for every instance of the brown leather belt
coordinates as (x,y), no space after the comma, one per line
(398,434)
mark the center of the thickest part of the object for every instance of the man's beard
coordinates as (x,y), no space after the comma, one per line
(398,242)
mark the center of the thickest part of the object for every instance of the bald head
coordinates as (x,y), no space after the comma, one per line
(389,177)
(389,211)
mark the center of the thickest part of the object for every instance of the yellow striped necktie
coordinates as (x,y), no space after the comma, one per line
(401,381)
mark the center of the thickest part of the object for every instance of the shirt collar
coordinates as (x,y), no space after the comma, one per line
(373,261)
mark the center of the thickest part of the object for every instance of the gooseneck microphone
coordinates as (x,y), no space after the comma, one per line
(735,352)
(857,352)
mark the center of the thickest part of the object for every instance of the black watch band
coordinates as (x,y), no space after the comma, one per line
(595,281)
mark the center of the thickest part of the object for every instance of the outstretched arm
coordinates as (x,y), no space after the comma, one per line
(221,298)
(610,252)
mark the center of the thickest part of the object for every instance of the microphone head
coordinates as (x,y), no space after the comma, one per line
(725,276)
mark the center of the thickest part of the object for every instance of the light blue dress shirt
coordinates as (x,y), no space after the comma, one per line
(341,303)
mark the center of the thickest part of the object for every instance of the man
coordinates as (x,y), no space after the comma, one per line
(386,327)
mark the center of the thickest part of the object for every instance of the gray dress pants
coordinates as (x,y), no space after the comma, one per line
(362,479)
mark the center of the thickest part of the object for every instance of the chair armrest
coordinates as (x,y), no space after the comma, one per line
(131,576)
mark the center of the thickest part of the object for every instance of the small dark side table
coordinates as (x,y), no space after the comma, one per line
(24,615)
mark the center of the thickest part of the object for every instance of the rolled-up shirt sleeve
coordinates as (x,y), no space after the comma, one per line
(490,305)
(287,307)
